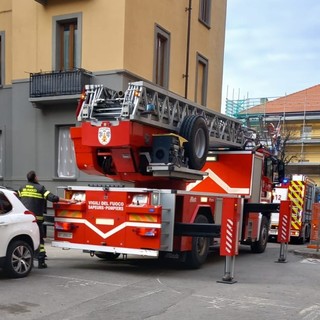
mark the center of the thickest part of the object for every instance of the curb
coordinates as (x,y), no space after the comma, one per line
(307,253)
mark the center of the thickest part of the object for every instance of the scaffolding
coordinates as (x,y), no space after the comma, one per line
(235,108)
(298,112)
(266,132)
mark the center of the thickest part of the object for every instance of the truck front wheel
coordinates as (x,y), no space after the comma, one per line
(260,245)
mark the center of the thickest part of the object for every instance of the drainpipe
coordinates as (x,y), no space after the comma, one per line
(186,75)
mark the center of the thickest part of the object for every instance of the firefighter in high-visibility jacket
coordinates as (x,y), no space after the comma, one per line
(34,196)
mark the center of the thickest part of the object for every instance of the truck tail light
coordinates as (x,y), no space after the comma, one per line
(30,212)
(147,232)
(63,226)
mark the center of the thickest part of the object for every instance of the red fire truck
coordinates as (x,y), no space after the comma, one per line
(178,169)
(302,191)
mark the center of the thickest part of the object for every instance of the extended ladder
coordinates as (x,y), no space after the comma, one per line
(149,104)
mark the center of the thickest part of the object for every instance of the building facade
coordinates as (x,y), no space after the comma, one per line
(289,124)
(50,48)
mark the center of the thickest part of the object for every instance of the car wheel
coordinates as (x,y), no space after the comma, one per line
(19,259)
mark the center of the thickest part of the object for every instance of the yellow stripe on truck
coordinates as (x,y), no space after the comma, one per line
(69,214)
(295,224)
(296,191)
(142,217)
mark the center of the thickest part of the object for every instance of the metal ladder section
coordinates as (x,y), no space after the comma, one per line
(100,103)
(149,104)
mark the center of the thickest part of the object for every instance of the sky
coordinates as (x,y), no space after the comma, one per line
(272,48)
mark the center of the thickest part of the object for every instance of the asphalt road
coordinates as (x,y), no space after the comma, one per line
(76,286)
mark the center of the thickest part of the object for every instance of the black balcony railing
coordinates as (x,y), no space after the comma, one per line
(58,83)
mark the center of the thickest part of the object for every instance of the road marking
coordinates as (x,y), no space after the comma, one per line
(245,302)
(311,313)
(77,280)
(173,290)
(311,261)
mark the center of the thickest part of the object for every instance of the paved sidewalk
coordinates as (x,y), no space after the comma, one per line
(307,252)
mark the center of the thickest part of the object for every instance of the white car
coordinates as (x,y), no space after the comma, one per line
(19,235)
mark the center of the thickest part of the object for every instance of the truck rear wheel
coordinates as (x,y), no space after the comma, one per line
(260,245)
(194,129)
(305,236)
(200,247)
(307,233)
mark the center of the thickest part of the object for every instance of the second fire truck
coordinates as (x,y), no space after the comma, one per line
(182,176)
(302,191)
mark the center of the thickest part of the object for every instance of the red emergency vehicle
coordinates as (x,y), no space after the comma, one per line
(301,190)
(183,175)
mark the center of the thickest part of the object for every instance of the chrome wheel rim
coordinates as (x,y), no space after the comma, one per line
(21,259)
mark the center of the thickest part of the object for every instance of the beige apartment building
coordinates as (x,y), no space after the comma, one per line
(50,48)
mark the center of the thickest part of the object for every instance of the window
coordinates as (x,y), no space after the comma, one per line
(67,46)
(306,132)
(5,205)
(2,79)
(66,166)
(161,57)
(205,12)
(201,80)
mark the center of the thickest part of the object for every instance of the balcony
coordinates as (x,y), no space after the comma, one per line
(311,139)
(306,168)
(57,86)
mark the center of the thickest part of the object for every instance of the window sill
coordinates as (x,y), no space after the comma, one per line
(64,179)
(207,25)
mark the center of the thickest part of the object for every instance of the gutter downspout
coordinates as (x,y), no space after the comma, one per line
(186,75)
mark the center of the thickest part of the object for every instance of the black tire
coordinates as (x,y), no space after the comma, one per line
(200,247)
(106,164)
(307,233)
(19,259)
(260,245)
(194,129)
(305,237)
(108,256)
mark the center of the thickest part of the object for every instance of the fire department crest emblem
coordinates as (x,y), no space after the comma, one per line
(104,135)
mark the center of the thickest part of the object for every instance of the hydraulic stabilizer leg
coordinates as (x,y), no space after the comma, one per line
(283,252)
(229,270)
(229,243)
(284,229)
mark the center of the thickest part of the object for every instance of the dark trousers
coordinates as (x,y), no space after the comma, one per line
(42,250)
(42,231)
